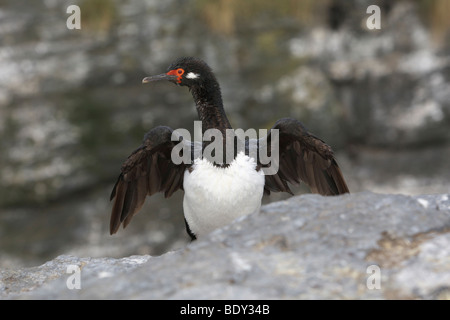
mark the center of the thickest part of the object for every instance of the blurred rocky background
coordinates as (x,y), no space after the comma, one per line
(72,106)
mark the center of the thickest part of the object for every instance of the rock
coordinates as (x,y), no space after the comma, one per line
(72,105)
(83,108)
(358,246)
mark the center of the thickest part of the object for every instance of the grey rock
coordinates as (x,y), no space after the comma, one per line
(307,247)
(72,106)
(83,93)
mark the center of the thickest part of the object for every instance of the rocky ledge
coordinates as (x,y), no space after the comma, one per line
(359,246)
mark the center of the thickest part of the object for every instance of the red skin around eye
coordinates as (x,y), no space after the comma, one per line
(176,72)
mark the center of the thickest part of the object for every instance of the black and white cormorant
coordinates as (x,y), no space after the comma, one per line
(215,194)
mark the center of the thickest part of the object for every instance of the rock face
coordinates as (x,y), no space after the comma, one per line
(359,246)
(72,105)
(83,105)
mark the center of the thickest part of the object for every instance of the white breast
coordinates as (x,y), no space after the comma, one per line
(214,196)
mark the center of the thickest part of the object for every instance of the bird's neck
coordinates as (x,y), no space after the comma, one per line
(209,105)
(210,110)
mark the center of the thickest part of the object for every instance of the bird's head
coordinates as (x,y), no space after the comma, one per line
(186,71)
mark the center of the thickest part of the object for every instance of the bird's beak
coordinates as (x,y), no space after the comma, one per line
(159,77)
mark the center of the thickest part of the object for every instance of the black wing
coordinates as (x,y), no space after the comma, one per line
(148,170)
(303,157)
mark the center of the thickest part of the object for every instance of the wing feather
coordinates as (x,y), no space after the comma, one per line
(303,157)
(146,171)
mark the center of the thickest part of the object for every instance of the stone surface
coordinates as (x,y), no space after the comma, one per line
(72,105)
(83,106)
(307,247)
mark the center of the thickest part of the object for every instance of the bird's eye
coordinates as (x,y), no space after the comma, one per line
(177,72)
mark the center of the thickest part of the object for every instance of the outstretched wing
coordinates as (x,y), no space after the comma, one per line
(148,170)
(303,157)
